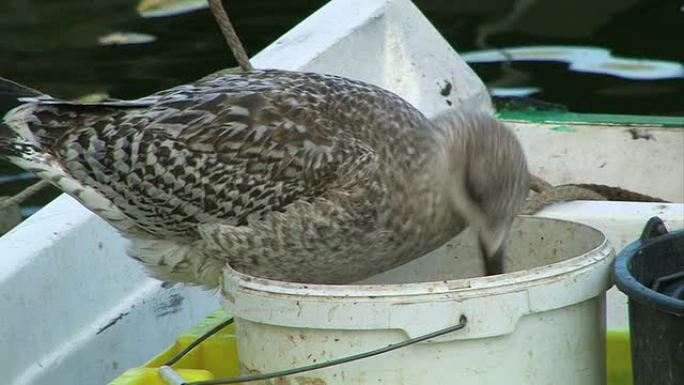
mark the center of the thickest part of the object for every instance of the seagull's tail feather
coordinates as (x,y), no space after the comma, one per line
(11,95)
(30,133)
(10,90)
(32,118)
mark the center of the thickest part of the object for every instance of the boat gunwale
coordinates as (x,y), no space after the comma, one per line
(557,116)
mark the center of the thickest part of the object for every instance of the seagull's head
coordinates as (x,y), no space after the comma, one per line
(487,178)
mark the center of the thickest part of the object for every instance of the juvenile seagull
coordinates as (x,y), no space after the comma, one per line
(286,175)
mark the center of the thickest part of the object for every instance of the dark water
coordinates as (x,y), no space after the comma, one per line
(52,45)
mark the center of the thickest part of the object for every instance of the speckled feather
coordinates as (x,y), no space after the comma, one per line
(286,175)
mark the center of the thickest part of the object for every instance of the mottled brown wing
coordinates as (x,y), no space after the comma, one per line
(204,157)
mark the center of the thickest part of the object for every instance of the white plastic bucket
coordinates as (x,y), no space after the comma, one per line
(542,323)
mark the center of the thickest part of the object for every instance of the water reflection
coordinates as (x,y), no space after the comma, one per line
(583,59)
(120,38)
(161,8)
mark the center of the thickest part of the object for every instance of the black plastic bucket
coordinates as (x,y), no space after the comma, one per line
(651,272)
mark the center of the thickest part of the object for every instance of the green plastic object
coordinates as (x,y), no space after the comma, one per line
(214,358)
(618,359)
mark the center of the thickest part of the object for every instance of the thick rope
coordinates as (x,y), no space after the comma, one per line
(538,184)
(230,35)
(548,194)
(619,194)
(559,194)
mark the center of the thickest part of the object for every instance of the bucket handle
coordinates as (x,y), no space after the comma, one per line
(654,228)
(170,377)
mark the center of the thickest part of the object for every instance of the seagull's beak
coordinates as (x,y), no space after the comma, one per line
(493,261)
(492,249)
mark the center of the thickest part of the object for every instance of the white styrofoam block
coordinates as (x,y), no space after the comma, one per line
(607,155)
(74,308)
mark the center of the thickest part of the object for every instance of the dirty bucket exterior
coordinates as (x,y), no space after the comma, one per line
(542,322)
(656,319)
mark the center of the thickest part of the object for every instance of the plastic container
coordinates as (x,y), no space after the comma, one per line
(222,357)
(213,358)
(541,323)
(656,319)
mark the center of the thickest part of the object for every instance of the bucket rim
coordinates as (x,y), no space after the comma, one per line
(233,280)
(635,290)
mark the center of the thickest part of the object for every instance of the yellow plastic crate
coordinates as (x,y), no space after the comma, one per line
(214,358)
(217,357)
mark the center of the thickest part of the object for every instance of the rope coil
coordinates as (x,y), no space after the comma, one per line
(547,194)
